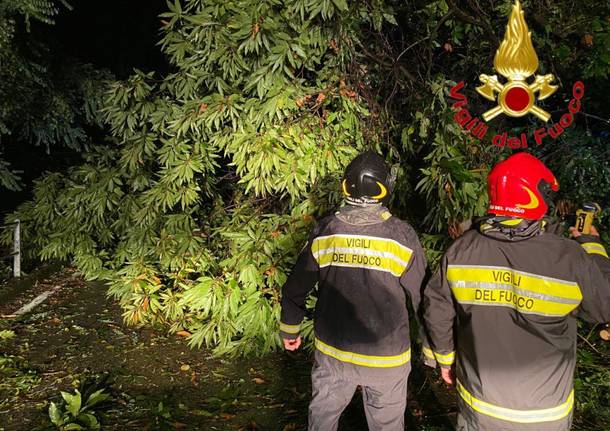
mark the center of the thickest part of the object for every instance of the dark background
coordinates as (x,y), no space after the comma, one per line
(116,35)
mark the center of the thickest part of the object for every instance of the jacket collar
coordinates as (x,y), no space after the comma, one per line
(511,228)
(363,215)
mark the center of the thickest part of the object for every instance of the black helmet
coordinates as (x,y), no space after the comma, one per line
(368,179)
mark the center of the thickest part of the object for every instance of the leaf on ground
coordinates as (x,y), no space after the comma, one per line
(258,380)
(73,402)
(55,415)
(6,334)
(226,416)
(604,334)
(185,367)
(183,334)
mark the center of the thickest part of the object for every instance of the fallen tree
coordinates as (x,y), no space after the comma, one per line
(196,208)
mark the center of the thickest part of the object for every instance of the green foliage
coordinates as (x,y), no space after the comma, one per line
(76,412)
(162,416)
(592,381)
(39,10)
(9,178)
(453,180)
(214,173)
(197,212)
(15,378)
(6,334)
(47,99)
(582,169)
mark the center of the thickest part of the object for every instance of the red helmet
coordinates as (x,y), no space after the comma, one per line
(513,187)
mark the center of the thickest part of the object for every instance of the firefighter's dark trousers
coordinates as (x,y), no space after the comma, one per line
(384,394)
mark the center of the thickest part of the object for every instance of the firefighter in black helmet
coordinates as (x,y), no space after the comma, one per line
(366,263)
(368,181)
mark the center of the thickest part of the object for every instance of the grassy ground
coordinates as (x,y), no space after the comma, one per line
(157,383)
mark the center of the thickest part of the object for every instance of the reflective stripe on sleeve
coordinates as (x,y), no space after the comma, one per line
(519,416)
(446,359)
(505,287)
(594,248)
(358,251)
(428,353)
(290,329)
(364,360)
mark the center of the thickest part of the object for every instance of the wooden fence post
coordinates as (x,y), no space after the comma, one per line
(17,249)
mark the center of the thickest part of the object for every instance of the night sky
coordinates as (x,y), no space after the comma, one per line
(119,35)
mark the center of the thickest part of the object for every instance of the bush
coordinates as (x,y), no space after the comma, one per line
(195,209)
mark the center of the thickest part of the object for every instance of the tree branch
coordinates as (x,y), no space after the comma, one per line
(481,22)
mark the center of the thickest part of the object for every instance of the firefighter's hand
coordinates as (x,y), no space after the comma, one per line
(447,375)
(292,344)
(575,234)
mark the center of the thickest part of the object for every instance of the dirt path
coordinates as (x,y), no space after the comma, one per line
(157,382)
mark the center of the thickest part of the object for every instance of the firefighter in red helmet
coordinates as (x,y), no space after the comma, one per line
(513,187)
(501,309)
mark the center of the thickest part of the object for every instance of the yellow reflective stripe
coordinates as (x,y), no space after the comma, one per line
(290,329)
(525,292)
(358,251)
(343,186)
(446,359)
(382,191)
(508,298)
(594,248)
(364,360)
(354,260)
(512,222)
(428,353)
(519,416)
(400,251)
(521,279)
